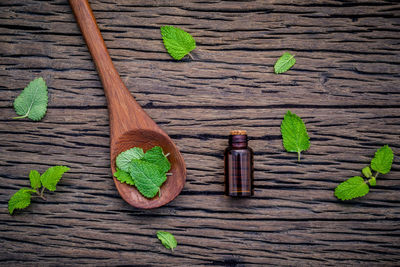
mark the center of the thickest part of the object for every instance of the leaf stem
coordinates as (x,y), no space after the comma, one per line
(41,194)
(166,155)
(168,173)
(298,156)
(191,57)
(42,197)
(21,117)
(376,175)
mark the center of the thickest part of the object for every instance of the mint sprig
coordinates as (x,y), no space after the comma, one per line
(49,179)
(32,102)
(356,186)
(177,42)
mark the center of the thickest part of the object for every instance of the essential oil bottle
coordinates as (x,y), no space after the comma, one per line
(238,159)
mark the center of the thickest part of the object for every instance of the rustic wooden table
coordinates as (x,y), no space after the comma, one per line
(345,85)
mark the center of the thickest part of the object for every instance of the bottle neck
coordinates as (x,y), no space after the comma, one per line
(238,141)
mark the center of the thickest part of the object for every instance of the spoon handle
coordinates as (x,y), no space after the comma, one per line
(125,113)
(91,33)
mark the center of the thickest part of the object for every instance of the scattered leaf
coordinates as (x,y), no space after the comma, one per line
(284,63)
(294,134)
(177,42)
(32,102)
(352,188)
(167,239)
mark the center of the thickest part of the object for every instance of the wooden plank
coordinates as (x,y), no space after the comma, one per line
(344,85)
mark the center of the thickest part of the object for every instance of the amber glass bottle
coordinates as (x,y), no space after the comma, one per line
(238,166)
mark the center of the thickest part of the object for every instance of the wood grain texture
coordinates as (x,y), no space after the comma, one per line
(345,86)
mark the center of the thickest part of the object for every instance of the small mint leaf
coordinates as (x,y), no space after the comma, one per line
(367,172)
(372,181)
(382,161)
(20,200)
(351,188)
(167,239)
(32,102)
(52,176)
(177,42)
(124,177)
(157,157)
(284,63)
(34,177)
(124,159)
(147,176)
(294,134)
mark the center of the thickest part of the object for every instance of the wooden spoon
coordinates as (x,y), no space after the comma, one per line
(130,126)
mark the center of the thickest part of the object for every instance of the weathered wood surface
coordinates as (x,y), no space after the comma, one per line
(345,85)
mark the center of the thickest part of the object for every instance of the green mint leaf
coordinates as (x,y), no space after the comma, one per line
(52,176)
(167,239)
(124,177)
(372,181)
(382,162)
(20,200)
(124,159)
(148,178)
(157,157)
(367,172)
(284,63)
(352,188)
(294,134)
(34,177)
(177,42)
(32,102)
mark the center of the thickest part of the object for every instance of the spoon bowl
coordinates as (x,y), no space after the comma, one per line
(147,139)
(130,126)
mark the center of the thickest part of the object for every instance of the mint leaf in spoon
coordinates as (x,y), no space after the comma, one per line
(157,157)
(124,177)
(124,158)
(147,176)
